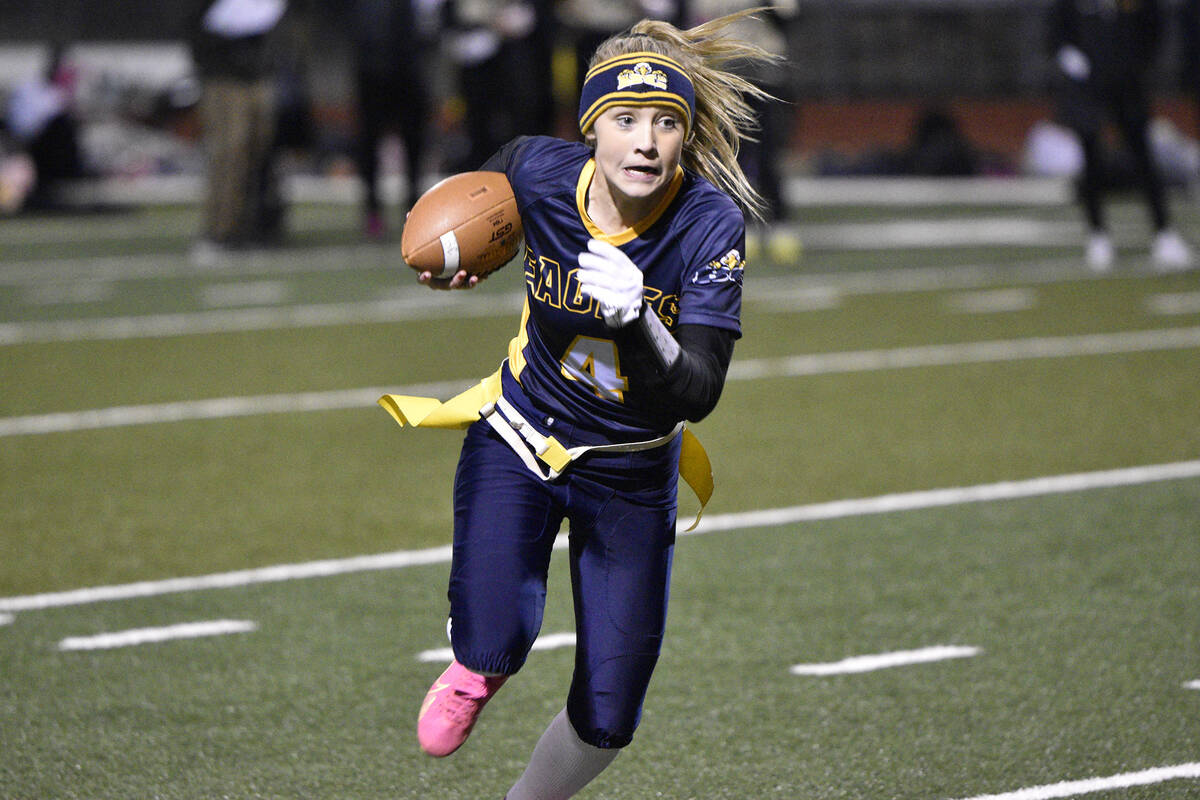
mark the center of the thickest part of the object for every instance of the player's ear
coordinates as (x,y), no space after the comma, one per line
(589,138)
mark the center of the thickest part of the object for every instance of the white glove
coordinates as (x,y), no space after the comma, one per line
(1074,63)
(608,276)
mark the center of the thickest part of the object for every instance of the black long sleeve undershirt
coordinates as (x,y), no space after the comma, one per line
(688,388)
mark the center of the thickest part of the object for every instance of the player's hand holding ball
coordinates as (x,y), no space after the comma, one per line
(461,280)
(608,276)
(462,230)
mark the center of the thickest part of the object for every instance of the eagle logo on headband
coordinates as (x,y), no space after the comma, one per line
(641,75)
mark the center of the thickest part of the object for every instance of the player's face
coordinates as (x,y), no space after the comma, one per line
(637,150)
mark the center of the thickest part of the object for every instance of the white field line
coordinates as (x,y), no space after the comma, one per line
(150,266)
(995,301)
(215,408)
(1090,785)
(550,641)
(333,258)
(229,580)
(799,191)
(904,234)
(410,307)
(899,658)
(1174,304)
(6,619)
(924,279)
(1192,684)
(908,501)
(755,369)
(88,230)
(136,636)
(935,498)
(342,258)
(415,304)
(50,293)
(909,192)
(794,299)
(968,353)
(245,293)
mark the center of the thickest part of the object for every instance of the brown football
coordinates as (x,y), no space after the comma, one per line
(468,221)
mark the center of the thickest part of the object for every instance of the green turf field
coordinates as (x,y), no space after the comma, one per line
(981,446)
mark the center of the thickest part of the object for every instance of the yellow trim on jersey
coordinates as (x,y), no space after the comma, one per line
(639,227)
(516,345)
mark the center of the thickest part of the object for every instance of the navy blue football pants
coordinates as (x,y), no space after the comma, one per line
(621,508)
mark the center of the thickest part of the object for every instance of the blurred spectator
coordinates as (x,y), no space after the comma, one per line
(587,23)
(230,47)
(294,130)
(392,45)
(939,147)
(503,51)
(1189,18)
(40,121)
(762,158)
(1104,52)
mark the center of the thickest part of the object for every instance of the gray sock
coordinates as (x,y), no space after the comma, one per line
(561,764)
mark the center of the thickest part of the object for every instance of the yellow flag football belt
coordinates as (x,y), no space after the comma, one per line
(484,400)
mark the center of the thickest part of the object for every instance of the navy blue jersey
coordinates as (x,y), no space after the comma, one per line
(564,365)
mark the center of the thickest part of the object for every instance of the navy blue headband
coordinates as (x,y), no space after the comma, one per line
(636,79)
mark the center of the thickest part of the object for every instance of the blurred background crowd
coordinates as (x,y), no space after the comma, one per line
(237,103)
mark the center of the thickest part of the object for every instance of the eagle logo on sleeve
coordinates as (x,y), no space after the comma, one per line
(729,268)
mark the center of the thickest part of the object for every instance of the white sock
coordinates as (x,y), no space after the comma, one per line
(561,764)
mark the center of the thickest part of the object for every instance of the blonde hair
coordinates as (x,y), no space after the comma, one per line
(723,116)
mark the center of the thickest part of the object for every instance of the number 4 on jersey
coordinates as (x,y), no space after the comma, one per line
(594,362)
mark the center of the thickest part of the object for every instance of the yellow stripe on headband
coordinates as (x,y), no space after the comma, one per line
(637,99)
(633,58)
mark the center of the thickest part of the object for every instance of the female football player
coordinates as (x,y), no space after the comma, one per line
(633,264)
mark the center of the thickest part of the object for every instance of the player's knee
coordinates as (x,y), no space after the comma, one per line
(605,704)
(612,736)
(500,647)
(490,661)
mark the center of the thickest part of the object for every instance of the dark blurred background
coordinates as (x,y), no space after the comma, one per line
(865,81)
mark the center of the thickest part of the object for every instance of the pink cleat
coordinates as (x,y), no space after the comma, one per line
(451,708)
